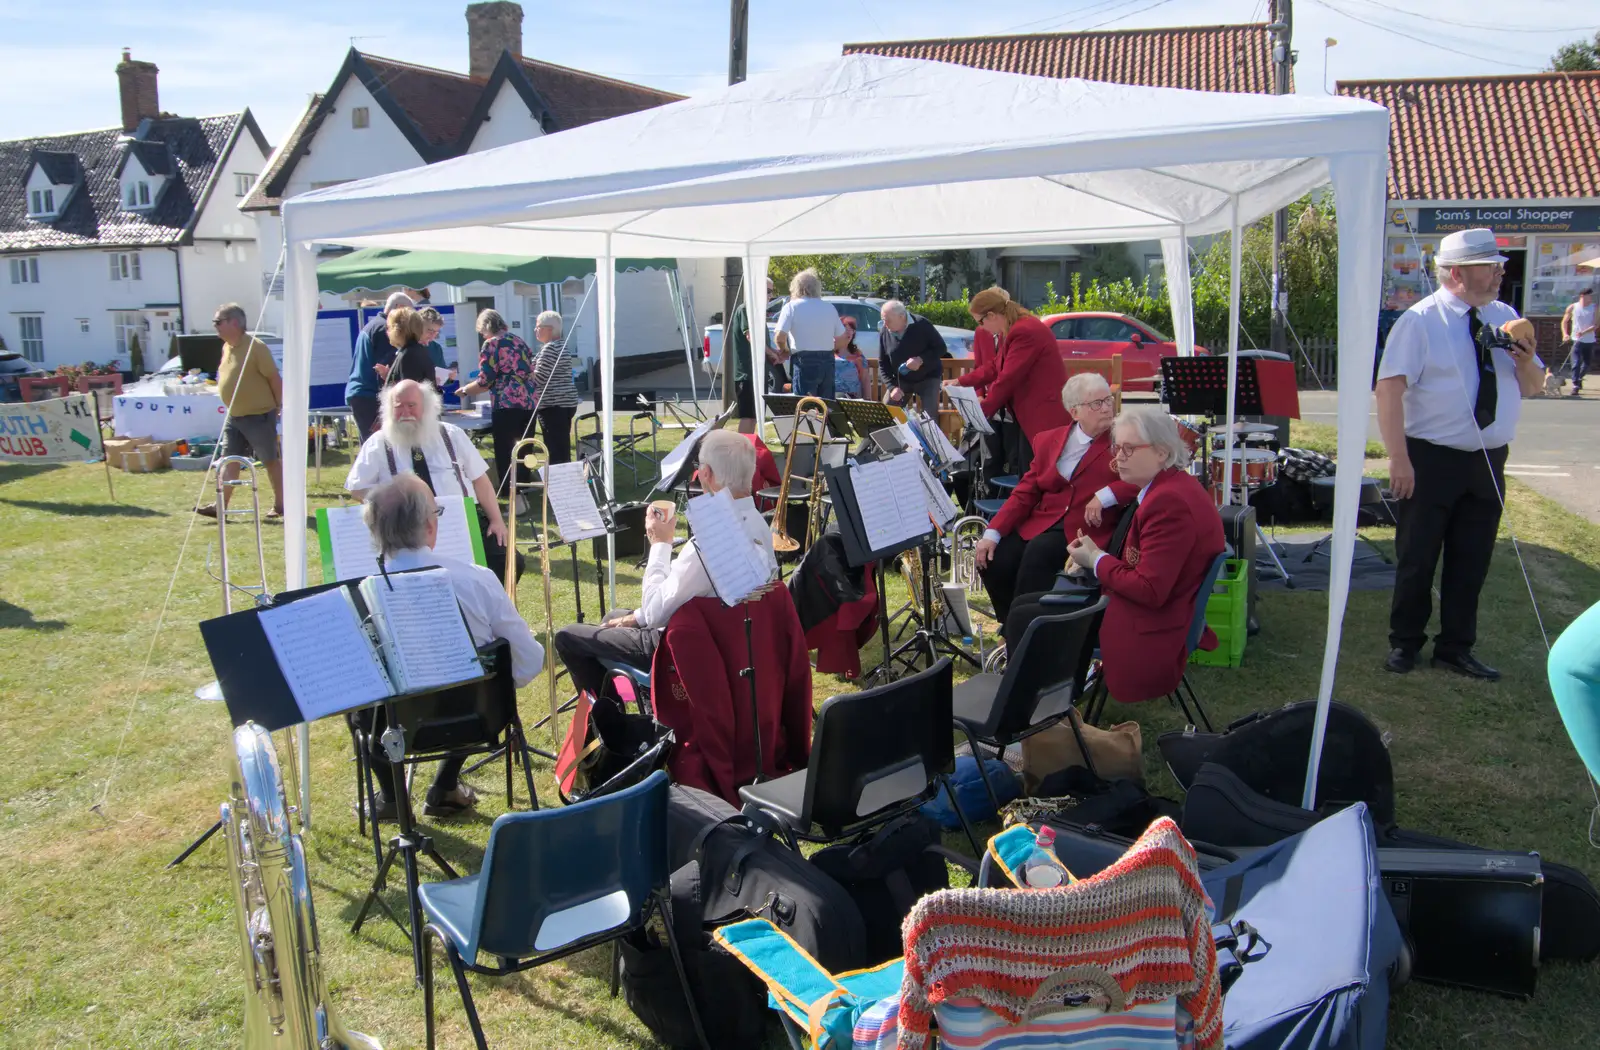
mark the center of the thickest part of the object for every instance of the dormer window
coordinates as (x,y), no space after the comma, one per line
(137,195)
(41,203)
(51,178)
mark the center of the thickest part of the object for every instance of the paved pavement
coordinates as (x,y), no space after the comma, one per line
(1556,453)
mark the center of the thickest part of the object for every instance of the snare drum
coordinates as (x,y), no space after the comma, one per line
(1252,467)
(1190,434)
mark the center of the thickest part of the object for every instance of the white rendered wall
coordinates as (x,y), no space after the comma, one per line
(76,284)
(340,153)
(509,121)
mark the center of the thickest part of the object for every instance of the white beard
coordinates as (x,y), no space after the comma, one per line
(409,433)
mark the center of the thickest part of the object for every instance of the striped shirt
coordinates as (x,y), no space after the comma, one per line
(552,374)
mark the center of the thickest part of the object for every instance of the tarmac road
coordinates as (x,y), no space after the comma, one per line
(1556,453)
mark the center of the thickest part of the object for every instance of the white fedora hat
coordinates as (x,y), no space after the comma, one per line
(1468,248)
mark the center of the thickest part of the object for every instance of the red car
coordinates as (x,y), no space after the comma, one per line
(1100,335)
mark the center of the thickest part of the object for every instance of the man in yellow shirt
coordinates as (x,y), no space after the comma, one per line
(252,393)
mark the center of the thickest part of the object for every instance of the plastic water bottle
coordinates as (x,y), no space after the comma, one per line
(1041,871)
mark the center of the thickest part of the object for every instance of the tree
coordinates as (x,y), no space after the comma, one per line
(841,274)
(1577,57)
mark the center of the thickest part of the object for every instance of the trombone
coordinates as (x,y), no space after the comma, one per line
(817,425)
(526,453)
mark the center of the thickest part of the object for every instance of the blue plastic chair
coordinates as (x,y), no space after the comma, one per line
(988,507)
(639,678)
(555,882)
(1006,482)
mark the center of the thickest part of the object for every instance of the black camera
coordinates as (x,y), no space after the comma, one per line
(1490,337)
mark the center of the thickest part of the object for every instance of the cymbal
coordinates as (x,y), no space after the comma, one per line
(1242,428)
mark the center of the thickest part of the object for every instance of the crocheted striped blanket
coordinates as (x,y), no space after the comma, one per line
(1137,933)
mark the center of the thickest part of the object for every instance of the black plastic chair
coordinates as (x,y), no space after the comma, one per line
(553,883)
(1044,677)
(875,755)
(473,719)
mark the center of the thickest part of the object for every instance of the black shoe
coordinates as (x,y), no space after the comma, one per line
(1467,664)
(1400,661)
(385,811)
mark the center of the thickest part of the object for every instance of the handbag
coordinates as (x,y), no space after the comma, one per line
(1117,752)
(607,749)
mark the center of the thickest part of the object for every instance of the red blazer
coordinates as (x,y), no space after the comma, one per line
(766,472)
(697,691)
(985,363)
(1151,590)
(1030,380)
(1043,495)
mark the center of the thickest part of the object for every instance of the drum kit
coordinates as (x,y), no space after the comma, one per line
(1250,465)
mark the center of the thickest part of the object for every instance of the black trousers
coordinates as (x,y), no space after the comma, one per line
(373,722)
(1024,566)
(555,427)
(509,426)
(364,410)
(1454,512)
(1019,451)
(583,645)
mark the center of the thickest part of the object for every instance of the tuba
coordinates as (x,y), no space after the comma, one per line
(806,409)
(286,1002)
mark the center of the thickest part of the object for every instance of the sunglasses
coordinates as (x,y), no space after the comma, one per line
(1124,451)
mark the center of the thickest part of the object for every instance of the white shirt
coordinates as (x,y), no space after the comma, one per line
(669,582)
(812,324)
(1583,317)
(1430,347)
(489,613)
(1071,453)
(371,467)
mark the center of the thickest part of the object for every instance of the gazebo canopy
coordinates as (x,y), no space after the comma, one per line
(373,269)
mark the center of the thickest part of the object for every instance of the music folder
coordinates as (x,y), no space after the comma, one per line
(894,517)
(339,647)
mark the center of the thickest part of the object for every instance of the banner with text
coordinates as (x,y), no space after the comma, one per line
(57,431)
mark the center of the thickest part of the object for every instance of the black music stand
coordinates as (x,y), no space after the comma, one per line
(857,553)
(838,420)
(691,458)
(1198,386)
(254,689)
(865,417)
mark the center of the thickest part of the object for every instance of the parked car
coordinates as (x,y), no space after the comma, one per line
(1100,335)
(11,367)
(865,311)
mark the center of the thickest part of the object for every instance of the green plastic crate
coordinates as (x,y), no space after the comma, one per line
(1227,612)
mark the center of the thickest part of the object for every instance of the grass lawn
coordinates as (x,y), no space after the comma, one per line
(99,946)
(1324,438)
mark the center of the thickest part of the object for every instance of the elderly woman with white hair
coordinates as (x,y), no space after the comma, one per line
(1152,585)
(809,331)
(1072,486)
(558,397)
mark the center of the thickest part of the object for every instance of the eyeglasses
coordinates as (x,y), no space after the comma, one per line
(1124,451)
(1098,404)
(438,512)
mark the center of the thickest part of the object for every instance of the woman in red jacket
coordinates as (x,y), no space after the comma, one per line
(1030,374)
(1151,589)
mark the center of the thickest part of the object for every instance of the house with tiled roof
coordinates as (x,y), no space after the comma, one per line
(381,115)
(126,236)
(1232,58)
(1519,154)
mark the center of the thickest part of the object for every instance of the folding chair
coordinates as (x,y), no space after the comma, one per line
(1184,695)
(626,448)
(875,755)
(1043,679)
(553,883)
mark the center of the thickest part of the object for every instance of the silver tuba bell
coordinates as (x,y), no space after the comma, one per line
(286,1001)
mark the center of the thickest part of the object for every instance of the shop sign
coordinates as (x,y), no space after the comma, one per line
(1505,218)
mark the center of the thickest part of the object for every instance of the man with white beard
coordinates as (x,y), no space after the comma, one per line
(413,439)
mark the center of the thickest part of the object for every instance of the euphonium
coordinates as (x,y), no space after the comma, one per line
(525,452)
(964,537)
(286,1000)
(817,423)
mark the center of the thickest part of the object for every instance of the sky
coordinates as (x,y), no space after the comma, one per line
(221,56)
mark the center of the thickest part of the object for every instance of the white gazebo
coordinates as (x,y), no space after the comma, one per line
(873,154)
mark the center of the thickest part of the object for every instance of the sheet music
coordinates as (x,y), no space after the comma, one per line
(966,401)
(572,502)
(891,500)
(940,506)
(325,656)
(737,562)
(425,640)
(355,555)
(675,459)
(942,451)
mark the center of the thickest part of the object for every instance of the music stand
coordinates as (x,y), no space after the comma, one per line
(254,689)
(684,468)
(785,405)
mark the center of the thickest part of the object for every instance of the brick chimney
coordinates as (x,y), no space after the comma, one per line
(491,29)
(137,81)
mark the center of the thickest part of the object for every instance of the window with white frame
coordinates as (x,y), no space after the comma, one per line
(360,117)
(136,194)
(125,325)
(32,326)
(41,202)
(83,325)
(25,269)
(242,184)
(124,266)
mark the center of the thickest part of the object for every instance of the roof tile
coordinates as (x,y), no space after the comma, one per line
(1234,58)
(1519,137)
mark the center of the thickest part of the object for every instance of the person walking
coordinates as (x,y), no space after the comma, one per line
(1448,402)
(1578,328)
(505,370)
(810,333)
(252,393)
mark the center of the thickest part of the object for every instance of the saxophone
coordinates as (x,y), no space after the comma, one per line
(286,1003)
